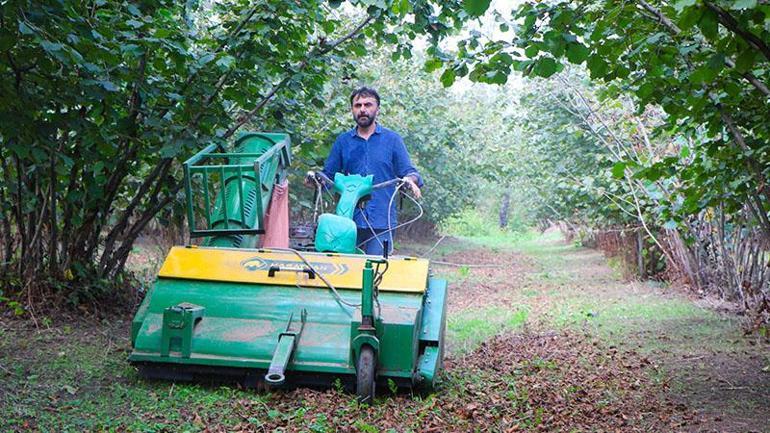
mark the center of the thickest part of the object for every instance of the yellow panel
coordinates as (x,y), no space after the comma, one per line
(344,271)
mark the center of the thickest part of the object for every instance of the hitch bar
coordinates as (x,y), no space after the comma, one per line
(287,342)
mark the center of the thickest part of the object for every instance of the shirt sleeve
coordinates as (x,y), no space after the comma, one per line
(403,164)
(333,162)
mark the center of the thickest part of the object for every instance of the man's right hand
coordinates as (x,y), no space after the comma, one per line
(411,182)
(310,180)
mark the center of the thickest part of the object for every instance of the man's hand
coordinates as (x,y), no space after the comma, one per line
(310,180)
(412,183)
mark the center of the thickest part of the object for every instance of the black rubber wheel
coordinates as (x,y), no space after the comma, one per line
(366,368)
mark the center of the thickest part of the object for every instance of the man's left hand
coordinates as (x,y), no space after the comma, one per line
(409,180)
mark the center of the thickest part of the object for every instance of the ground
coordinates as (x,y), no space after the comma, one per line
(542,336)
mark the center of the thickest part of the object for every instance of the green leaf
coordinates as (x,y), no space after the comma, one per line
(329,26)
(745,60)
(681,4)
(645,90)
(732,89)
(743,4)
(433,64)
(597,66)
(717,62)
(476,8)
(704,74)
(401,7)
(358,49)
(531,51)
(206,59)
(577,53)
(670,225)
(555,43)
(171,149)
(545,67)
(225,62)
(448,77)
(108,85)
(133,10)
(134,23)
(709,25)
(133,49)
(529,22)
(495,77)
(689,18)
(619,170)
(25,29)
(51,46)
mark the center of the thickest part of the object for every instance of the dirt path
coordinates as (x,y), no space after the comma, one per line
(715,377)
(542,336)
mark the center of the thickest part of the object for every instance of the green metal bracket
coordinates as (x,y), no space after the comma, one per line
(366,333)
(337,232)
(244,180)
(287,342)
(362,339)
(428,365)
(352,188)
(178,324)
(367,299)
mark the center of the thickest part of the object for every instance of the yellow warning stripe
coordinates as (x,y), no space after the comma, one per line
(344,271)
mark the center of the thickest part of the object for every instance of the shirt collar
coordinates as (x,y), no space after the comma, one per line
(377,130)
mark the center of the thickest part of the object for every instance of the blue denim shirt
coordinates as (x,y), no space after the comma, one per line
(382,155)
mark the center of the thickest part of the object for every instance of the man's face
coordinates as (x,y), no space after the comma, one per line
(365,110)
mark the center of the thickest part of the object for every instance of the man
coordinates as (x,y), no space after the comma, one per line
(367,149)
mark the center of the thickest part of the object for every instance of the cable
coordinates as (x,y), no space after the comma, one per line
(464,265)
(320,188)
(312,268)
(378,275)
(371,229)
(376,284)
(422,212)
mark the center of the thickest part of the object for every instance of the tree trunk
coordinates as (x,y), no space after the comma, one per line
(640,254)
(504,206)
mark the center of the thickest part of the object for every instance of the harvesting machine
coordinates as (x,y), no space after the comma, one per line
(278,316)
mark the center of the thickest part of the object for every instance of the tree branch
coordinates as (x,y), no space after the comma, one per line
(221,47)
(324,49)
(675,30)
(155,177)
(732,24)
(118,259)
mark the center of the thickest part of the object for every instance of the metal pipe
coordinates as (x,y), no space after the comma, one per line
(367,293)
(275,374)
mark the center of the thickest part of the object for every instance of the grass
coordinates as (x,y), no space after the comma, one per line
(576,288)
(559,296)
(467,329)
(509,241)
(76,378)
(80,381)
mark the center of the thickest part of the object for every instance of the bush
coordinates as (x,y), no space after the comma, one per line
(470,222)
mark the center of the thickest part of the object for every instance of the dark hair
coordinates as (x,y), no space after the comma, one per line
(365,91)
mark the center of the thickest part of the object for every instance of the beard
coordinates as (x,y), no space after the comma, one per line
(365,121)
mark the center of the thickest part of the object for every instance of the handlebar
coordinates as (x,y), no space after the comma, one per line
(320,176)
(387,182)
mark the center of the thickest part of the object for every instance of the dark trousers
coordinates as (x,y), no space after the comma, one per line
(373,243)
